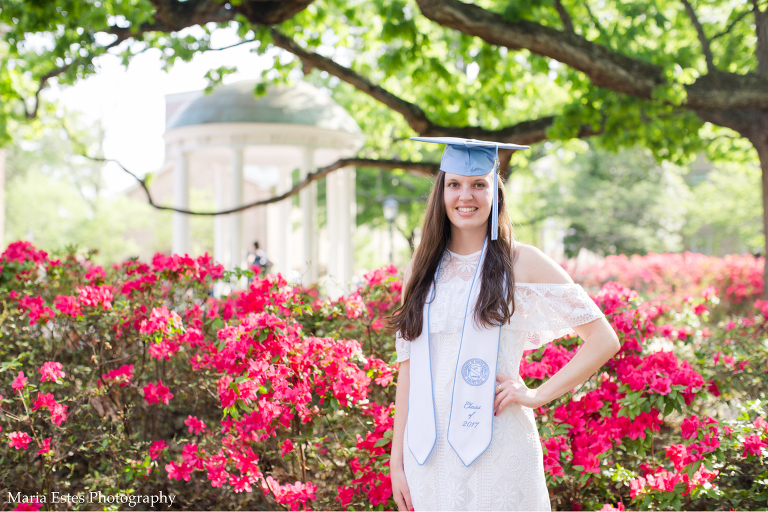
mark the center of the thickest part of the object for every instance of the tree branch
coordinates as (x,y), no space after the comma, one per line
(564,16)
(604,67)
(705,47)
(730,27)
(244,41)
(413,115)
(56,72)
(526,132)
(596,22)
(424,169)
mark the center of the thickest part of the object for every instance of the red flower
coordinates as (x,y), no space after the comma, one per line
(121,376)
(195,425)
(345,495)
(178,472)
(46,448)
(753,445)
(32,504)
(157,448)
(154,393)
(44,400)
(287,447)
(19,440)
(661,385)
(690,426)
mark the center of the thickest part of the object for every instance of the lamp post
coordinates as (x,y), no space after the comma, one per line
(390,206)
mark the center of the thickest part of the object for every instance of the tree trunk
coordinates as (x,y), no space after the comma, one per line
(761,145)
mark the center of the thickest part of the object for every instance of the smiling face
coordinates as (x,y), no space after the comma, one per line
(468,200)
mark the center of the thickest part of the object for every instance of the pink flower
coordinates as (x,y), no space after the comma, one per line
(195,425)
(160,320)
(760,424)
(678,454)
(19,440)
(19,382)
(36,309)
(121,376)
(708,292)
(32,504)
(287,447)
(51,371)
(689,427)
(753,445)
(44,400)
(67,305)
(95,273)
(46,447)
(700,309)
(241,483)
(661,385)
(355,307)
(178,472)
(157,448)
(610,508)
(96,296)
(154,393)
(58,414)
(345,495)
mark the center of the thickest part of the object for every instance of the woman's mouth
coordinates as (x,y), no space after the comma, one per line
(466,209)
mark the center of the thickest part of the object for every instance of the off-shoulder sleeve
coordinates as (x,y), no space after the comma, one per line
(403,348)
(547,311)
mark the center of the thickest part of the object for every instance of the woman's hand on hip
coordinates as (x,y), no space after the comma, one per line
(509,390)
(400,491)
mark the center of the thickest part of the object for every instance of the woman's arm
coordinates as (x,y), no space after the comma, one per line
(400,491)
(600,344)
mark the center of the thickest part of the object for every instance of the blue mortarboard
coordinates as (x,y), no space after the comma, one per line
(470,157)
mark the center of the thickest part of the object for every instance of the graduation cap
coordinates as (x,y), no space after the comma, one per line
(470,157)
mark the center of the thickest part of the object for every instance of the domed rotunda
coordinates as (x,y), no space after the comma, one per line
(236,148)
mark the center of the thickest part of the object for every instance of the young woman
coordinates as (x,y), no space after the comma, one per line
(473,300)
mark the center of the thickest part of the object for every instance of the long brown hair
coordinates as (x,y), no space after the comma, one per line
(494,305)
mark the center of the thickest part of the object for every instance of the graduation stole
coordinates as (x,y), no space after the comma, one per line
(470,426)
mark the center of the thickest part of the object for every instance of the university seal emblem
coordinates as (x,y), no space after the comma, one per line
(475,372)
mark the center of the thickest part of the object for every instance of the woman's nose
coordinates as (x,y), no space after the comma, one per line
(465,194)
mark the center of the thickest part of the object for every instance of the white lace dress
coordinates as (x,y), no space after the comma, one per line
(509,475)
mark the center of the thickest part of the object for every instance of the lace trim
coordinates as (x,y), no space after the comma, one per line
(544,311)
(458,265)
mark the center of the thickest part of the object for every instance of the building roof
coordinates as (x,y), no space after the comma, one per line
(236,103)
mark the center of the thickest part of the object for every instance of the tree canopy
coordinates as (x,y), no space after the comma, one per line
(676,76)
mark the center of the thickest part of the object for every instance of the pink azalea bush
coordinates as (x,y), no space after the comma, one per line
(737,280)
(275,397)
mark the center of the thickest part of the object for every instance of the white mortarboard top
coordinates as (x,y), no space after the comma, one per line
(470,157)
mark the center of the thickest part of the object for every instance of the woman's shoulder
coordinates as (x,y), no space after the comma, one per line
(531,265)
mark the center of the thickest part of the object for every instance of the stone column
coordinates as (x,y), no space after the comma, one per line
(308,202)
(332,224)
(237,254)
(347,219)
(220,253)
(182,232)
(283,261)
